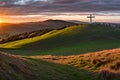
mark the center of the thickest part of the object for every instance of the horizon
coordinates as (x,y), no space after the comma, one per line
(99,17)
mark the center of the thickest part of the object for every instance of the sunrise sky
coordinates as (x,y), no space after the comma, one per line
(15,11)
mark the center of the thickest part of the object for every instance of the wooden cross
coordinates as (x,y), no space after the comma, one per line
(91,17)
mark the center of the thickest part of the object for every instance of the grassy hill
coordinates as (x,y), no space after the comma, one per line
(105,63)
(57,55)
(109,59)
(102,65)
(14,67)
(67,41)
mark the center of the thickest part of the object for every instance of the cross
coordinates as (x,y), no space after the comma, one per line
(90,18)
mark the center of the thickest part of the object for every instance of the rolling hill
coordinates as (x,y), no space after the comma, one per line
(105,63)
(70,40)
(102,65)
(14,67)
(8,29)
(64,54)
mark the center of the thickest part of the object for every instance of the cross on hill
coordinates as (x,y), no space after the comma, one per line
(90,22)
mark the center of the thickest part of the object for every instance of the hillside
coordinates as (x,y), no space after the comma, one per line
(13,68)
(67,41)
(102,65)
(7,29)
(106,62)
(109,59)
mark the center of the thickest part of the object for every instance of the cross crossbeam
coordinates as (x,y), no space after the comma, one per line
(91,17)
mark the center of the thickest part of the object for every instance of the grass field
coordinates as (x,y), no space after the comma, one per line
(14,67)
(101,65)
(58,54)
(54,71)
(70,40)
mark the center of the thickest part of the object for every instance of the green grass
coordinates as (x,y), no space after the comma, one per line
(52,71)
(68,41)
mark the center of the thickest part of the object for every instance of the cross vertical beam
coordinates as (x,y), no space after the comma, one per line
(91,17)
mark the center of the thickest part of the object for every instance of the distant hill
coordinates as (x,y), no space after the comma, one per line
(75,21)
(7,29)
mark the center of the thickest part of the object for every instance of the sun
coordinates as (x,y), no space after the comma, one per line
(1,21)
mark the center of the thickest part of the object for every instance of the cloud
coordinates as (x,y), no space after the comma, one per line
(22,7)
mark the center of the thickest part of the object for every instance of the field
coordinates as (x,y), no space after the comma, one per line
(68,41)
(101,65)
(83,52)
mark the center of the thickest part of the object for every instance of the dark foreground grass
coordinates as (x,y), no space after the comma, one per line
(14,67)
(44,70)
(75,67)
(106,63)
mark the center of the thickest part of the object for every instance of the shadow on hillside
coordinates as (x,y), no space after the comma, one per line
(45,70)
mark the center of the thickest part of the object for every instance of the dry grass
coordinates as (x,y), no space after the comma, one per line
(95,60)
(13,68)
(106,62)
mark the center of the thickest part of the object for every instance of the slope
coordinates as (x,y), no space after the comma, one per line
(70,40)
(106,63)
(8,29)
(13,68)
(75,67)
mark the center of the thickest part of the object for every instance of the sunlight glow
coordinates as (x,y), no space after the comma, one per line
(1,21)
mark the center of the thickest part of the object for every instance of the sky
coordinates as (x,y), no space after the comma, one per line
(16,11)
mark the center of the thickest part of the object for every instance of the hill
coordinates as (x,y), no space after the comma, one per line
(67,41)
(106,59)
(105,63)
(13,68)
(7,29)
(102,65)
